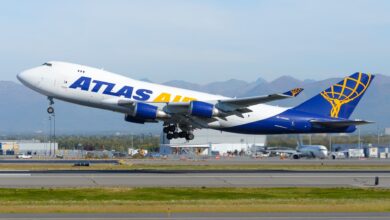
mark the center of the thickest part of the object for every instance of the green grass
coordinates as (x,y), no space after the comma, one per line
(95,200)
(178,194)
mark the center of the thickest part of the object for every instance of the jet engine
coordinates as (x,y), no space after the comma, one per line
(203,109)
(130,118)
(145,113)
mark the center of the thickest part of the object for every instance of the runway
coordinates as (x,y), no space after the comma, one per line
(204,216)
(262,161)
(207,161)
(253,178)
(55,161)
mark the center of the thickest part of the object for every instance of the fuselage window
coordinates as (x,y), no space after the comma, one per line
(81,71)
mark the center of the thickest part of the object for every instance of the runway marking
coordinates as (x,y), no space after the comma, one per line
(14,174)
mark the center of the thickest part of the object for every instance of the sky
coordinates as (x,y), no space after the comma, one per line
(199,41)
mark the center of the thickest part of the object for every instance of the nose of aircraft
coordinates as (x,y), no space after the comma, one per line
(25,77)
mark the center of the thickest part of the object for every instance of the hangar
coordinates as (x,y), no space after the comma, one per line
(30,147)
(212,142)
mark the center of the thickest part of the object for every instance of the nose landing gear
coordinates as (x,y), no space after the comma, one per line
(50,109)
(52,131)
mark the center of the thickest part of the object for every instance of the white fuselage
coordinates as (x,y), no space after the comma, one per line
(317,151)
(103,89)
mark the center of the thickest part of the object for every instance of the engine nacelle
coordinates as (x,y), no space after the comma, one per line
(130,118)
(145,111)
(203,109)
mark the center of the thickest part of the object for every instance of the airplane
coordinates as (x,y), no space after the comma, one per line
(302,150)
(182,111)
(311,151)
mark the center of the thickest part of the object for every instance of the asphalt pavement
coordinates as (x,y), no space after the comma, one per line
(179,178)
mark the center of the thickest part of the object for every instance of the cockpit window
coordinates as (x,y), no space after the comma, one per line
(47,64)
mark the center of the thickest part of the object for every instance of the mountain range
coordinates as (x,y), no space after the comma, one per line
(23,111)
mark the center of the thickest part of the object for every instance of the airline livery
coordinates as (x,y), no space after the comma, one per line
(182,111)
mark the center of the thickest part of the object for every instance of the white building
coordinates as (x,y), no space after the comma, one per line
(387,131)
(39,148)
(209,141)
(32,147)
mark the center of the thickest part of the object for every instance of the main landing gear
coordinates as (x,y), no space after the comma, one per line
(173,133)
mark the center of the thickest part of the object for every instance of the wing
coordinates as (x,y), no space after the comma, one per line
(245,102)
(236,105)
(195,113)
(241,104)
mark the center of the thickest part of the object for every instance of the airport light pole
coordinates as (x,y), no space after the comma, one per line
(54,134)
(132,141)
(49,135)
(359,144)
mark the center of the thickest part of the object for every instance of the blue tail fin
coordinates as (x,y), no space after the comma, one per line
(339,100)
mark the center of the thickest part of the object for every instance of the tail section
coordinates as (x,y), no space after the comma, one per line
(339,100)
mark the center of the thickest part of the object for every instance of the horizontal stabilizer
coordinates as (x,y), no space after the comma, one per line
(340,123)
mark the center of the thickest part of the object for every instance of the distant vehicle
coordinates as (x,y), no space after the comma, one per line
(182,111)
(338,155)
(59,156)
(261,154)
(153,155)
(23,156)
(133,152)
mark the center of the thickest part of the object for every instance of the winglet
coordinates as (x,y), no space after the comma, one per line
(293,92)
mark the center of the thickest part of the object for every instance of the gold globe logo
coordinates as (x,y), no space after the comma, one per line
(346,91)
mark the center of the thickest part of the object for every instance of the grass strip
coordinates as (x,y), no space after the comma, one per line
(98,200)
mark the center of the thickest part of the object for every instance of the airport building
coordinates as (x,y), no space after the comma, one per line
(212,142)
(365,150)
(387,131)
(29,147)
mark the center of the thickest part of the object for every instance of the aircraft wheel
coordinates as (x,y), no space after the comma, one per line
(182,134)
(175,135)
(190,136)
(295,156)
(172,128)
(50,110)
(165,130)
(169,136)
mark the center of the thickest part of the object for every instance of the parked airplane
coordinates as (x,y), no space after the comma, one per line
(183,110)
(311,151)
(302,150)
